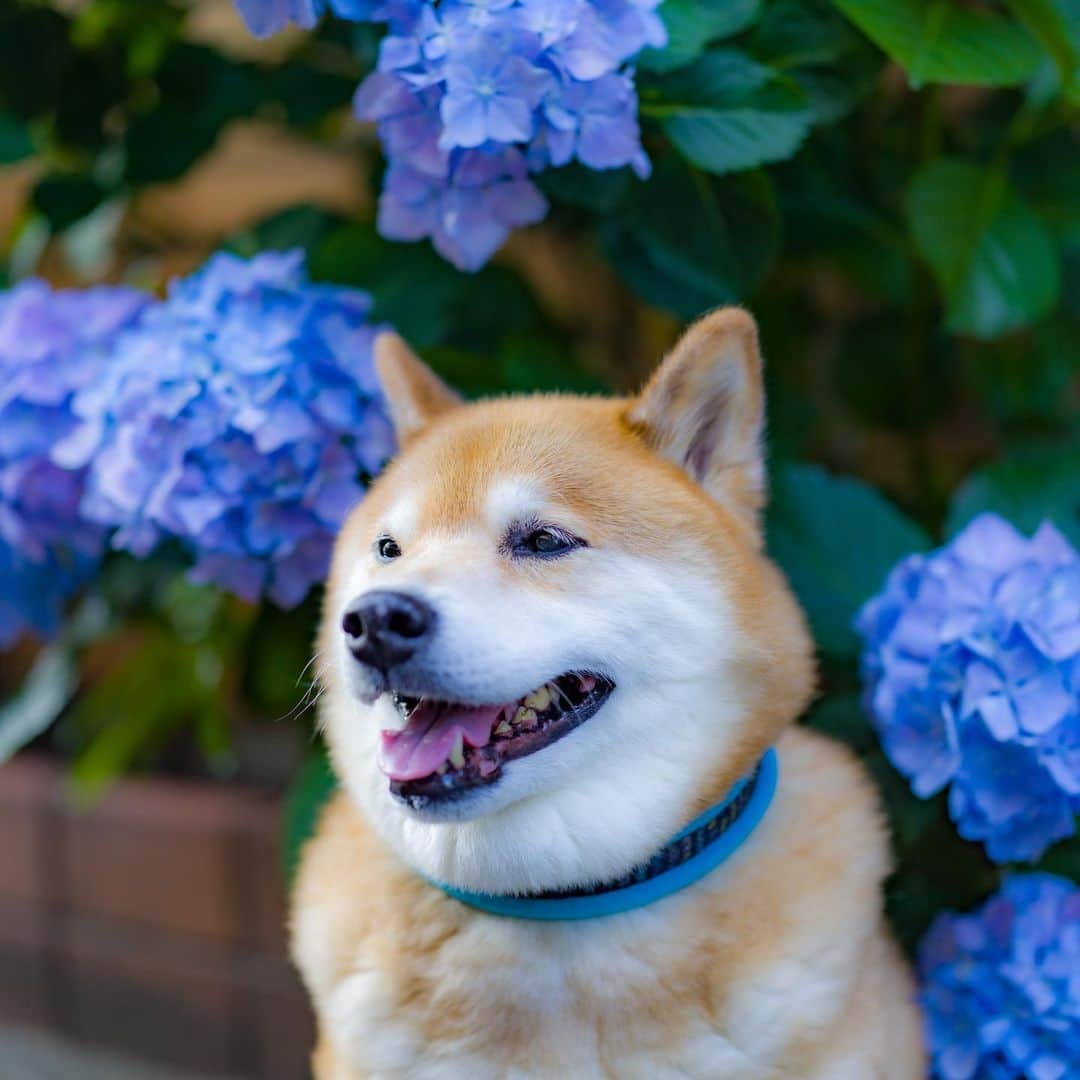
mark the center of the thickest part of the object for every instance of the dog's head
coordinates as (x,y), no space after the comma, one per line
(551,636)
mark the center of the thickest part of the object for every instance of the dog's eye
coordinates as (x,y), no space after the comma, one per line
(387,548)
(544,541)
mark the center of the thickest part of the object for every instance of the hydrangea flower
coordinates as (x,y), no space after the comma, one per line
(238,417)
(472,96)
(1001,986)
(53,344)
(266,17)
(972,658)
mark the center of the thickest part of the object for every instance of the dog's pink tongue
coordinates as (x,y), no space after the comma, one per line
(426,740)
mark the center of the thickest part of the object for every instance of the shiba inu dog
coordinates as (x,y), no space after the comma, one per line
(552,642)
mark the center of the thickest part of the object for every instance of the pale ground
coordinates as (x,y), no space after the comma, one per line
(32,1055)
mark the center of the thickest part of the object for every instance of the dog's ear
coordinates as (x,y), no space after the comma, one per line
(704,407)
(415,395)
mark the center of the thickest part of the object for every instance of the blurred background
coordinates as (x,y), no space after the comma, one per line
(900,212)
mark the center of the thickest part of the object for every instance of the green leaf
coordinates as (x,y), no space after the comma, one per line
(692,25)
(1047,173)
(1032,485)
(15,141)
(161,686)
(524,365)
(688,242)
(597,191)
(727,113)
(941,41)
(199,92)
(310,792)
(994,260)
(1056,23)
(40,700)
(836,538)
(817,47)
(65,198)
(414,290)
(842,717)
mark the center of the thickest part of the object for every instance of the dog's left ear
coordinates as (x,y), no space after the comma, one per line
(704,407)
(415,395)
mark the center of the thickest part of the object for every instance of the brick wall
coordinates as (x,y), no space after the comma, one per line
(152,923)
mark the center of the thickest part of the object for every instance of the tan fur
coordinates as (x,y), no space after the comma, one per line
(775,965)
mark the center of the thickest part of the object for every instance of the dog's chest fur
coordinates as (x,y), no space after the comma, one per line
(748,974)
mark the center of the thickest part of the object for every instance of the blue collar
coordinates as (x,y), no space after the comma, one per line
(687,857)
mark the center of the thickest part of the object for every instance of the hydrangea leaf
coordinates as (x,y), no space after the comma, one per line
(692,25)
(687,242)
(413,288)
(40,700)
(15,141)
(813,44)
(1031,485)
(832,572)
(176,683)
(1046,172)
(1056,23)
(994,260)
(727,112)
(310,792)
(65,198)
(940,41)
(598,192)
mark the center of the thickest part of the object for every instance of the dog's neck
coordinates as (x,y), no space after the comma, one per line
(695,851)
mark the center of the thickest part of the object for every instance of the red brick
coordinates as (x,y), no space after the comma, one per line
(277,1025)
(286,1034)
(27,791)
(166,854)
(264,897)
(26,966)
(164,997)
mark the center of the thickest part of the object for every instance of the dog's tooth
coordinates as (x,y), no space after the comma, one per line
(503,728)
(457,751)
(525,718)
(539,699)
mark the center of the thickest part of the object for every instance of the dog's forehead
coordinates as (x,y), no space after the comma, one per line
(493,466)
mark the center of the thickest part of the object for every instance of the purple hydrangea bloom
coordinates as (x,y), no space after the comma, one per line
(1001,986)
(471,96)
(238,417)
(266,17)
(53,344)
(972,659)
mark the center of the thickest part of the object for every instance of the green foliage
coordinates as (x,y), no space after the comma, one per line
(314,784)
(1029,486)
(831,574)
(687,242)
(994,259)
(727,113)
(940,41)
(45,692)
(692,25)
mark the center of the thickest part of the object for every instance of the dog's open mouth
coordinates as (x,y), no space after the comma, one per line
(447,748)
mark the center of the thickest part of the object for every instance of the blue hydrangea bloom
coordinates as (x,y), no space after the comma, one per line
(239,417)
(472,96)
(53,344)
(266,17)
(1001,986)
(972,661)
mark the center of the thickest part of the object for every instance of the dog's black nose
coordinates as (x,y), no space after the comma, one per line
(384,628)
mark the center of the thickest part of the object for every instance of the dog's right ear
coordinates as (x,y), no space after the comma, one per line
(703,409)
(414,394)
